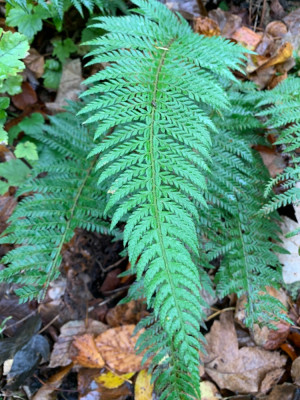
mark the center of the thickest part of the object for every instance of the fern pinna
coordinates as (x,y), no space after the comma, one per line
(65,199)
(232,227)
(157,92)
(283,118)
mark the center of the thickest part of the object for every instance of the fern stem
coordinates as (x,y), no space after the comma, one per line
(63,237)
(157,216)
(249,289)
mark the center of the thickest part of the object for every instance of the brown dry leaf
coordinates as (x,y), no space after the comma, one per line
(89,389)
(269,339)
(209,391)
(52,384)
(228,22)
(117,347)
(70,85)
(125,314)
(87,353)
(295,371)
(26,98)
(286,391)
(206,26)
(241,370)
(60,355)
(112,381)
(272,160)
(143,389)
(35,62)
(7,206)
(247,37)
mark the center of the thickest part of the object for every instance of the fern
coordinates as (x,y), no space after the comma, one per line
(232,227)
(59,6)
(157,92)
(283,116)
(63,200)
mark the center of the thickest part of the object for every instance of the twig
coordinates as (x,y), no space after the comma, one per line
(112,266)
(202,8)
(219,312)
(49,324)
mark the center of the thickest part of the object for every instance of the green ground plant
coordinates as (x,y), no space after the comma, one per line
(163,145)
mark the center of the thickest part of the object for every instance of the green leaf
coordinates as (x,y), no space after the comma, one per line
(28,23)
(14,171)
(12,85)
(3,135)
(33,124)
(52,74)
(27,150)
(13,47)
(63,48)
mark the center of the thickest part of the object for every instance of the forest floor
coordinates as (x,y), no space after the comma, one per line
(81,307)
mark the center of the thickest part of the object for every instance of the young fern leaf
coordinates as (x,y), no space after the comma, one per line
(232,225)
(283,116)
(153,93)
(63,200)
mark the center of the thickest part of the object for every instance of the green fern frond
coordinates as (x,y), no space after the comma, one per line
(232,227)
(63,200)
(160,77)
(283,116)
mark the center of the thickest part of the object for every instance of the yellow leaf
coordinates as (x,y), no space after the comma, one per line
(112,381)
(143,388)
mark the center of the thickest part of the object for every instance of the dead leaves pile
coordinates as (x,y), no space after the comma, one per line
(274,47)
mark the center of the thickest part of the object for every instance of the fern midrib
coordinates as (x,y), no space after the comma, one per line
(63,237)
(153,179)
(247,272)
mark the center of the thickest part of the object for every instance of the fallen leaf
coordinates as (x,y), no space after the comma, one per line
(117,347)
(295,371)
(70,85)
(242,370)
(209,391)
(228,22)
(26,360)
(112,381)
(206,26)
(247,37)
(276,29)
(282,54)
(111,281)
(87,353)
(290,262)
(143,389)
(60,355)
(89,389)
(7,206)
(289,350)
(273,161)
(286,391)
(26,98)
(53,383)
(128,313)
(35,62)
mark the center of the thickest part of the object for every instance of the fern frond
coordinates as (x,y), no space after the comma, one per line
(283,116)
(63,200)
(232,227)
(161,82)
